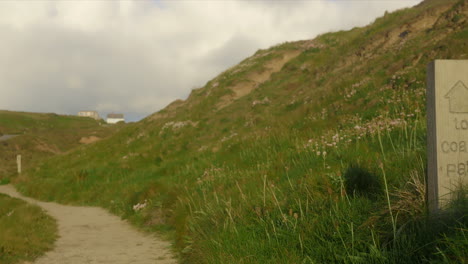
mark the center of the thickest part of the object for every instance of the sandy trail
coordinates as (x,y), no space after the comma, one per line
(92,235)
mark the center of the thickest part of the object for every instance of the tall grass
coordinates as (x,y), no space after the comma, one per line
(26,232)
(292,210)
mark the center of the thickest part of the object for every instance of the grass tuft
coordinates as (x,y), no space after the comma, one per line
(26,231)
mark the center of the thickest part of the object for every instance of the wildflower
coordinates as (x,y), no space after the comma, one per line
(137,207)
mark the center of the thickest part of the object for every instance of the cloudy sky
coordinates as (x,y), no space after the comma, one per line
(135,57)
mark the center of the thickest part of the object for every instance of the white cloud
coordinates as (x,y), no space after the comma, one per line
(138,56)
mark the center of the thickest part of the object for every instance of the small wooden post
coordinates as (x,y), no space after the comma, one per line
(18,162)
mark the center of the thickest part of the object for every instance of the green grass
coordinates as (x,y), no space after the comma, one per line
(266,183)
(41,136)
(26,231)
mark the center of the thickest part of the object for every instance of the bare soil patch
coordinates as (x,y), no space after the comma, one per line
(89,140)
(255,79)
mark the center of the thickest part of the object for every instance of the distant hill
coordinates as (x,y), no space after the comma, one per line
(38,136)
(307,152)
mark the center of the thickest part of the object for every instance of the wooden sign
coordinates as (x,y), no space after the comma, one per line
(447,130)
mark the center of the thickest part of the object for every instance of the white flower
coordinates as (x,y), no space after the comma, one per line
(137,207)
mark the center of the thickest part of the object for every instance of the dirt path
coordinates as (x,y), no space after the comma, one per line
(92,235)
(7,137)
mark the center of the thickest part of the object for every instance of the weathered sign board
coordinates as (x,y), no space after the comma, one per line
(447,130)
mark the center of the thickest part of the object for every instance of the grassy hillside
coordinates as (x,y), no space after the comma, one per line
(39,136)
(26,231)
(307,152)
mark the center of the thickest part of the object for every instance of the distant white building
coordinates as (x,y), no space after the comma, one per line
(92,114)
(115,118)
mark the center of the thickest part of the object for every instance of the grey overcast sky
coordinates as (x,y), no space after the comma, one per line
(135,57)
